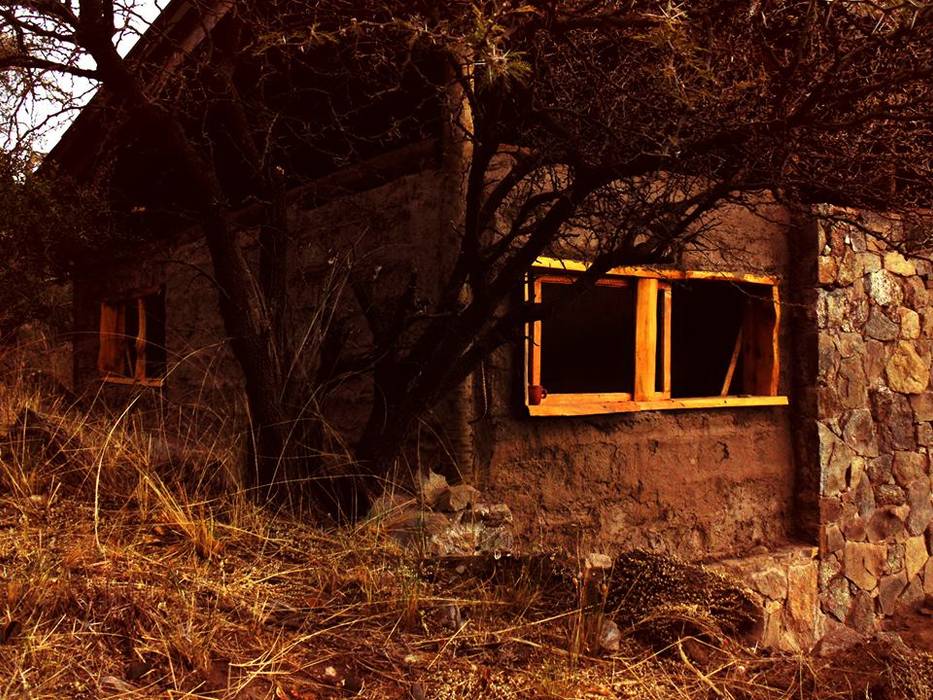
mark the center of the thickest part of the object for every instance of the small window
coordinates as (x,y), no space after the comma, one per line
(722,336)
(132,339)
(645,339)
(599,323)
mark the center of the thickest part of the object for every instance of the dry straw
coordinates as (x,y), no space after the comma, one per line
(132,566)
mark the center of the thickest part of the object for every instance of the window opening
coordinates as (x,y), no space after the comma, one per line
(651,339)
(132,339)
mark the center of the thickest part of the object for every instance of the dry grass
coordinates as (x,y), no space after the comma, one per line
(132,571)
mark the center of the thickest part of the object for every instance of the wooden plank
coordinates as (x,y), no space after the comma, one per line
(646,339)
(727,383)
(118,379)
(657,272)
(574,399)
(140,369)
(776,343)
(596,408)
(666,389)
(108,353)
(535,341)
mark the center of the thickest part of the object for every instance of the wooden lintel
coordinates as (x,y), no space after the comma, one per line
(657,272)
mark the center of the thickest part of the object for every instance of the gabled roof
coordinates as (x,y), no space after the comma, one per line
(177,31)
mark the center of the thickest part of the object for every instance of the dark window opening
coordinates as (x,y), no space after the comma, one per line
(588,344)
(132,338)
(720,337)
(156,353)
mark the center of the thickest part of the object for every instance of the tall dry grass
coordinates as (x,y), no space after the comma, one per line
(132,564)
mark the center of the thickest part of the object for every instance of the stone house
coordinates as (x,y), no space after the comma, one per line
(772,411)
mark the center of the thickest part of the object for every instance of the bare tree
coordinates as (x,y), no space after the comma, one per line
(615,128)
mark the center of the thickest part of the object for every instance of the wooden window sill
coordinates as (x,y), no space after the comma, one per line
(130,381)
(584,407)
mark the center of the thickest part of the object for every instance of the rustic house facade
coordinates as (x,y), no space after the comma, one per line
(765,404)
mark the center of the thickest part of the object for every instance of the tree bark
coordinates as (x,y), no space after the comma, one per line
(249,320)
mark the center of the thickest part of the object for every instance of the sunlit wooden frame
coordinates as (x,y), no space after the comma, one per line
(535,358)
(652,284)
(112,339)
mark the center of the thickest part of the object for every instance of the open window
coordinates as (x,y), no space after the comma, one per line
(648,339)
(132,340)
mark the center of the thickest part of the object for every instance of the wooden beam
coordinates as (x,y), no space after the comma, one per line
(646,339)
(736,350)
(658,272)
(596,408)
(666,389)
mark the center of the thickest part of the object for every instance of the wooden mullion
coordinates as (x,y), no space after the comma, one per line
(140,369)
(646,338)
(730,372)
(666,389)
(109,349)
(536,339)
(775,342)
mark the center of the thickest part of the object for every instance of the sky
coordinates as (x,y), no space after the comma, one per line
(45,107)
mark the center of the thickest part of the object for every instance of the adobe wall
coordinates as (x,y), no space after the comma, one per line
(875,407)
(383,227)
(701,483)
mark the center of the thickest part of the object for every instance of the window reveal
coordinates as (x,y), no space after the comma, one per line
(600,324)
(649,339)
(132,340)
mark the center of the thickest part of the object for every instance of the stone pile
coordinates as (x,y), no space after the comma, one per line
(445,520)
(875,423)
(786,581)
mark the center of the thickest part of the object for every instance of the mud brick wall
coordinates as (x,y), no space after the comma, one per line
(698,483)
(875,407)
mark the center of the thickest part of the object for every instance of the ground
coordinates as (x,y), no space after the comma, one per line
(125,572)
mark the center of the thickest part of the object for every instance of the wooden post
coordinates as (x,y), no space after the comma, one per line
(108,356)
(142,333)
(760,335)
(646,338)
(666,389)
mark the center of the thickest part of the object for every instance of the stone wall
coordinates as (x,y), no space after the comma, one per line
(874,411)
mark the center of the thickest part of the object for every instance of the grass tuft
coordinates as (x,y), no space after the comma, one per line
(131,565)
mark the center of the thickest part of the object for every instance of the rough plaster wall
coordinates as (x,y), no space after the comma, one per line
(875,319)
(698,483)
(703,483)
(380,229)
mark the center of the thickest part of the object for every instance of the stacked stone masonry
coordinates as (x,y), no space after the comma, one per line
(785,580)
(875,422)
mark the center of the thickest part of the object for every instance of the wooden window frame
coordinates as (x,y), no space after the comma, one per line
(535,368)
(109,333)
(650,283)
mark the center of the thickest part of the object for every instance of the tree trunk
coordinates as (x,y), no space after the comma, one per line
(252,324)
